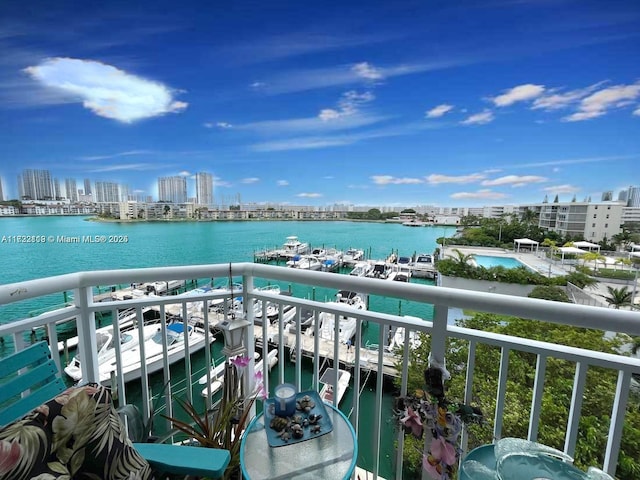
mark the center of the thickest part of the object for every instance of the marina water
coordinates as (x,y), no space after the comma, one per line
(67,249)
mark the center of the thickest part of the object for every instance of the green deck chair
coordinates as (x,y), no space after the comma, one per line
(38,381)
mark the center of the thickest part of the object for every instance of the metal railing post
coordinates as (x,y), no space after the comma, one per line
(86,324)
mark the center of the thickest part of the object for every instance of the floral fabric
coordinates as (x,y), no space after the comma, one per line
(77,435)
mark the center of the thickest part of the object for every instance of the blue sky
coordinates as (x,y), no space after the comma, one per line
(464,103)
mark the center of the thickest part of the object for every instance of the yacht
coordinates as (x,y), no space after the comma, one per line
(397,340)
(352,256)
(347,325)
(423,266)
(292,246)
(361,269)
(326,392)
(305,262)
(153,351)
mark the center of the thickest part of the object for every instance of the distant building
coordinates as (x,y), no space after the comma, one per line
(607,196)
(87,187)
(35,185)
(204,188)
(1,194)
(172,189)
(633,197)
(107,192)
(57,192)
(71,189)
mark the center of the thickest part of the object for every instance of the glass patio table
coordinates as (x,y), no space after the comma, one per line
(332,455)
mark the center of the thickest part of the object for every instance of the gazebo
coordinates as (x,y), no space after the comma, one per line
(588,245)
(524,241)
(570,250)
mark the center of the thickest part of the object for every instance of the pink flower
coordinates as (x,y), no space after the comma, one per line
(9,455)
(260,392)
(433,467)
(443,451)
(241,361)
(412,420)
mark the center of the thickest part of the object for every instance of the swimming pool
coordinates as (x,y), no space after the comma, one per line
(488,261)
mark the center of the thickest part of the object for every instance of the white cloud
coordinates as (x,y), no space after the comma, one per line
(119,154)
(250,180)
(566,188)
(106,90)
(309,195)
(282,183)
(257,85)
(439,111)
(435,179)
(556,101)
(389,180)
(367,71)
(597,104)
(223,125)
(348,104)
(480,194)
(514,180)
(637,112)
(518,94)
(184,173)
(479,118)
(128,166)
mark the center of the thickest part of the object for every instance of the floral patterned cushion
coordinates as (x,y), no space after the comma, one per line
(77,435)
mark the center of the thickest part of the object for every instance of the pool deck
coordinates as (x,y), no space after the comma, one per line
(542,265)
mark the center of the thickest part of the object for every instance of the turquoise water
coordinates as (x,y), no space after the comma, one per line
(164,244)
(488,261)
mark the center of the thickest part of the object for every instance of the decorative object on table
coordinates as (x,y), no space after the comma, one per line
(284,396)
(224,424)
(519,459)
(309,420)
(429,412)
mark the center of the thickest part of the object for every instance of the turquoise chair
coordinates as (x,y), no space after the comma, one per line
(37,381)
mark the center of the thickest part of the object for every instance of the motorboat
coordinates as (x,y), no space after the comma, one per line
(414,223)
(379,270)
(292,246)
(327,393)
(423,266)
(398,338)
(361,269)
(352,255)
(217,373)
(163,288)
(305,262)
(153,350)
(399,276)
(347,325)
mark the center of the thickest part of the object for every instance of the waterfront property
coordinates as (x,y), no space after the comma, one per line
(374,444)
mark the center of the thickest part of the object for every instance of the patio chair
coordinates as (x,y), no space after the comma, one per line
(37,381)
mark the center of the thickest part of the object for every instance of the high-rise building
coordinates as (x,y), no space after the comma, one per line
(633,197)
(57,193)
(172,189)
(607,196)
(622,195)
(204,188)
(71,188)
(87,186)
(107,192)
(35,185)
(1,194)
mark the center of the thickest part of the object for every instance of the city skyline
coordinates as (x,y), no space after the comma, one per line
(472,104)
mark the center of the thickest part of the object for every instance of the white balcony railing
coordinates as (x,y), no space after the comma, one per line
(83,312)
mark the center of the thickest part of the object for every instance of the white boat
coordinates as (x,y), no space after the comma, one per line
(304,262)
(347,325)
(326,392)
(397,341)
(352,255)
(217,373)
(162,288)
(399,276)
(379,270)
(153,351)
(292,246)
(414,223)
(423,266)
(361,269)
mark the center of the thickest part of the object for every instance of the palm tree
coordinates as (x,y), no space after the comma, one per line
(618,297)
(462,258)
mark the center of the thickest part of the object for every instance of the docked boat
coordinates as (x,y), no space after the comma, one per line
(424,266)
(414,223)
(398,338)
(352,255)
(163,288)
(379,270)
(361,269)
(304,262)
(153,351)
(292,246)
(347,325)
(327,393)
(399,276)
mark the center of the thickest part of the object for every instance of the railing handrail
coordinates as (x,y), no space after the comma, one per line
(622,321)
